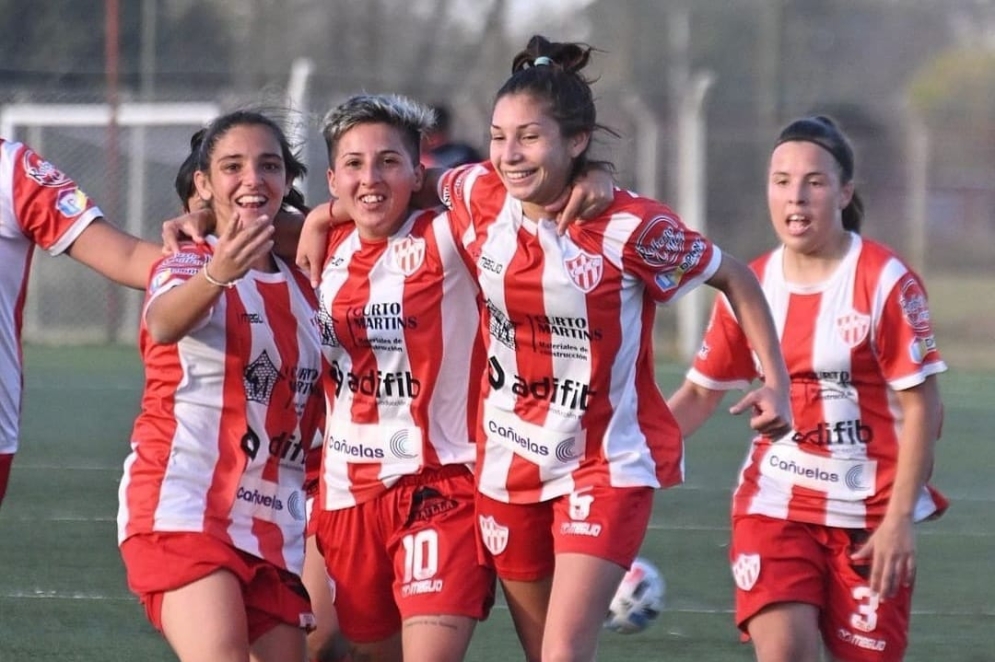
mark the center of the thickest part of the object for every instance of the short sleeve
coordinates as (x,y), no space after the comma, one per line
(904,341)
(724,361)
(51,209)
(669,257)
(175,269)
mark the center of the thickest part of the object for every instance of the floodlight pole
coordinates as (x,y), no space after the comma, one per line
(113,175)
(689,91)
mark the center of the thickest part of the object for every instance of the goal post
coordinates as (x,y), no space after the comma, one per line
(68,303)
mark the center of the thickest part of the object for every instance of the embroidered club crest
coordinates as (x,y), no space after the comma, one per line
(494,535)
(853,327)
(408,254)
(746,570)
(585,270)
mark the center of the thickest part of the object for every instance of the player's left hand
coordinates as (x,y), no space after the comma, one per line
(587,198)
(891,550)
(771,411)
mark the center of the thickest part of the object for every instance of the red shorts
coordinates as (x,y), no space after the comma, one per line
(777,560)
(409,552)
(6,459)
(521,540)
(157,563)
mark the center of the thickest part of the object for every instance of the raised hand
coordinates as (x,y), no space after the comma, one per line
(242,245)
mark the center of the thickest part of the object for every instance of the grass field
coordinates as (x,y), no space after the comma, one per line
(63,596)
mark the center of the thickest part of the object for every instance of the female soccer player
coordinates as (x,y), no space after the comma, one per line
(574,435)
(823,539)
(395,518)
(42,206)
(211,517)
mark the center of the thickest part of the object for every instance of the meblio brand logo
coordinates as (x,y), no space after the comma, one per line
(376,383)
(851,432)
(358,451)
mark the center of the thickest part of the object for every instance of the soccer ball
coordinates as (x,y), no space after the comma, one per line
(638,599)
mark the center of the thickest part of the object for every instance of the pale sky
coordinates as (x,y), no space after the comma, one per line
(525,16)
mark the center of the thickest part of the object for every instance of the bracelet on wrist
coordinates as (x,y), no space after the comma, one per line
(213,281)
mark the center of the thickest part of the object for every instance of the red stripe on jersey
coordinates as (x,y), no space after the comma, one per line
(797,345)
(281,422)
(232,459)
(162,373)
(363,410)
(663,435)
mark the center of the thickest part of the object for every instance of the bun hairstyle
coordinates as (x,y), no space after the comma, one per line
(551,72)
(823,131)
(570,57)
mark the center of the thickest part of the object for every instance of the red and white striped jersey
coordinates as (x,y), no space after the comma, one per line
(228,416)
(400,331)
(570,397)
(849,343)
(39,205)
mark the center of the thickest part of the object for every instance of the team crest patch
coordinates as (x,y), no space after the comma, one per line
(585,270)
(494,535)
(661,243)
(853,327)
(746,570)
(43,172)
(408,254)
(915,309)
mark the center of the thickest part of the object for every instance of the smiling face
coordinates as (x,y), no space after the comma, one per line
(806,198)
(374,175)
(247,175)
(530,153)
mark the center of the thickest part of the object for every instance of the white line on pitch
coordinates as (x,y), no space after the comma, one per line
(39,594)
(725,529)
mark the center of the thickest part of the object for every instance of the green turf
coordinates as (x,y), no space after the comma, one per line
(63,596)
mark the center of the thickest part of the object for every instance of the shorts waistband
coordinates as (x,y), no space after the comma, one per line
(432,475)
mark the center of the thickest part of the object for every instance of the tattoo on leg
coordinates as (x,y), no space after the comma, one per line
(428,620)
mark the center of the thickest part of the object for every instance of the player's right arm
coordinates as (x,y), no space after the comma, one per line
(176,312)
(115,254)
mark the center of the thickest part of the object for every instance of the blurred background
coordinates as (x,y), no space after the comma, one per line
(110,91)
